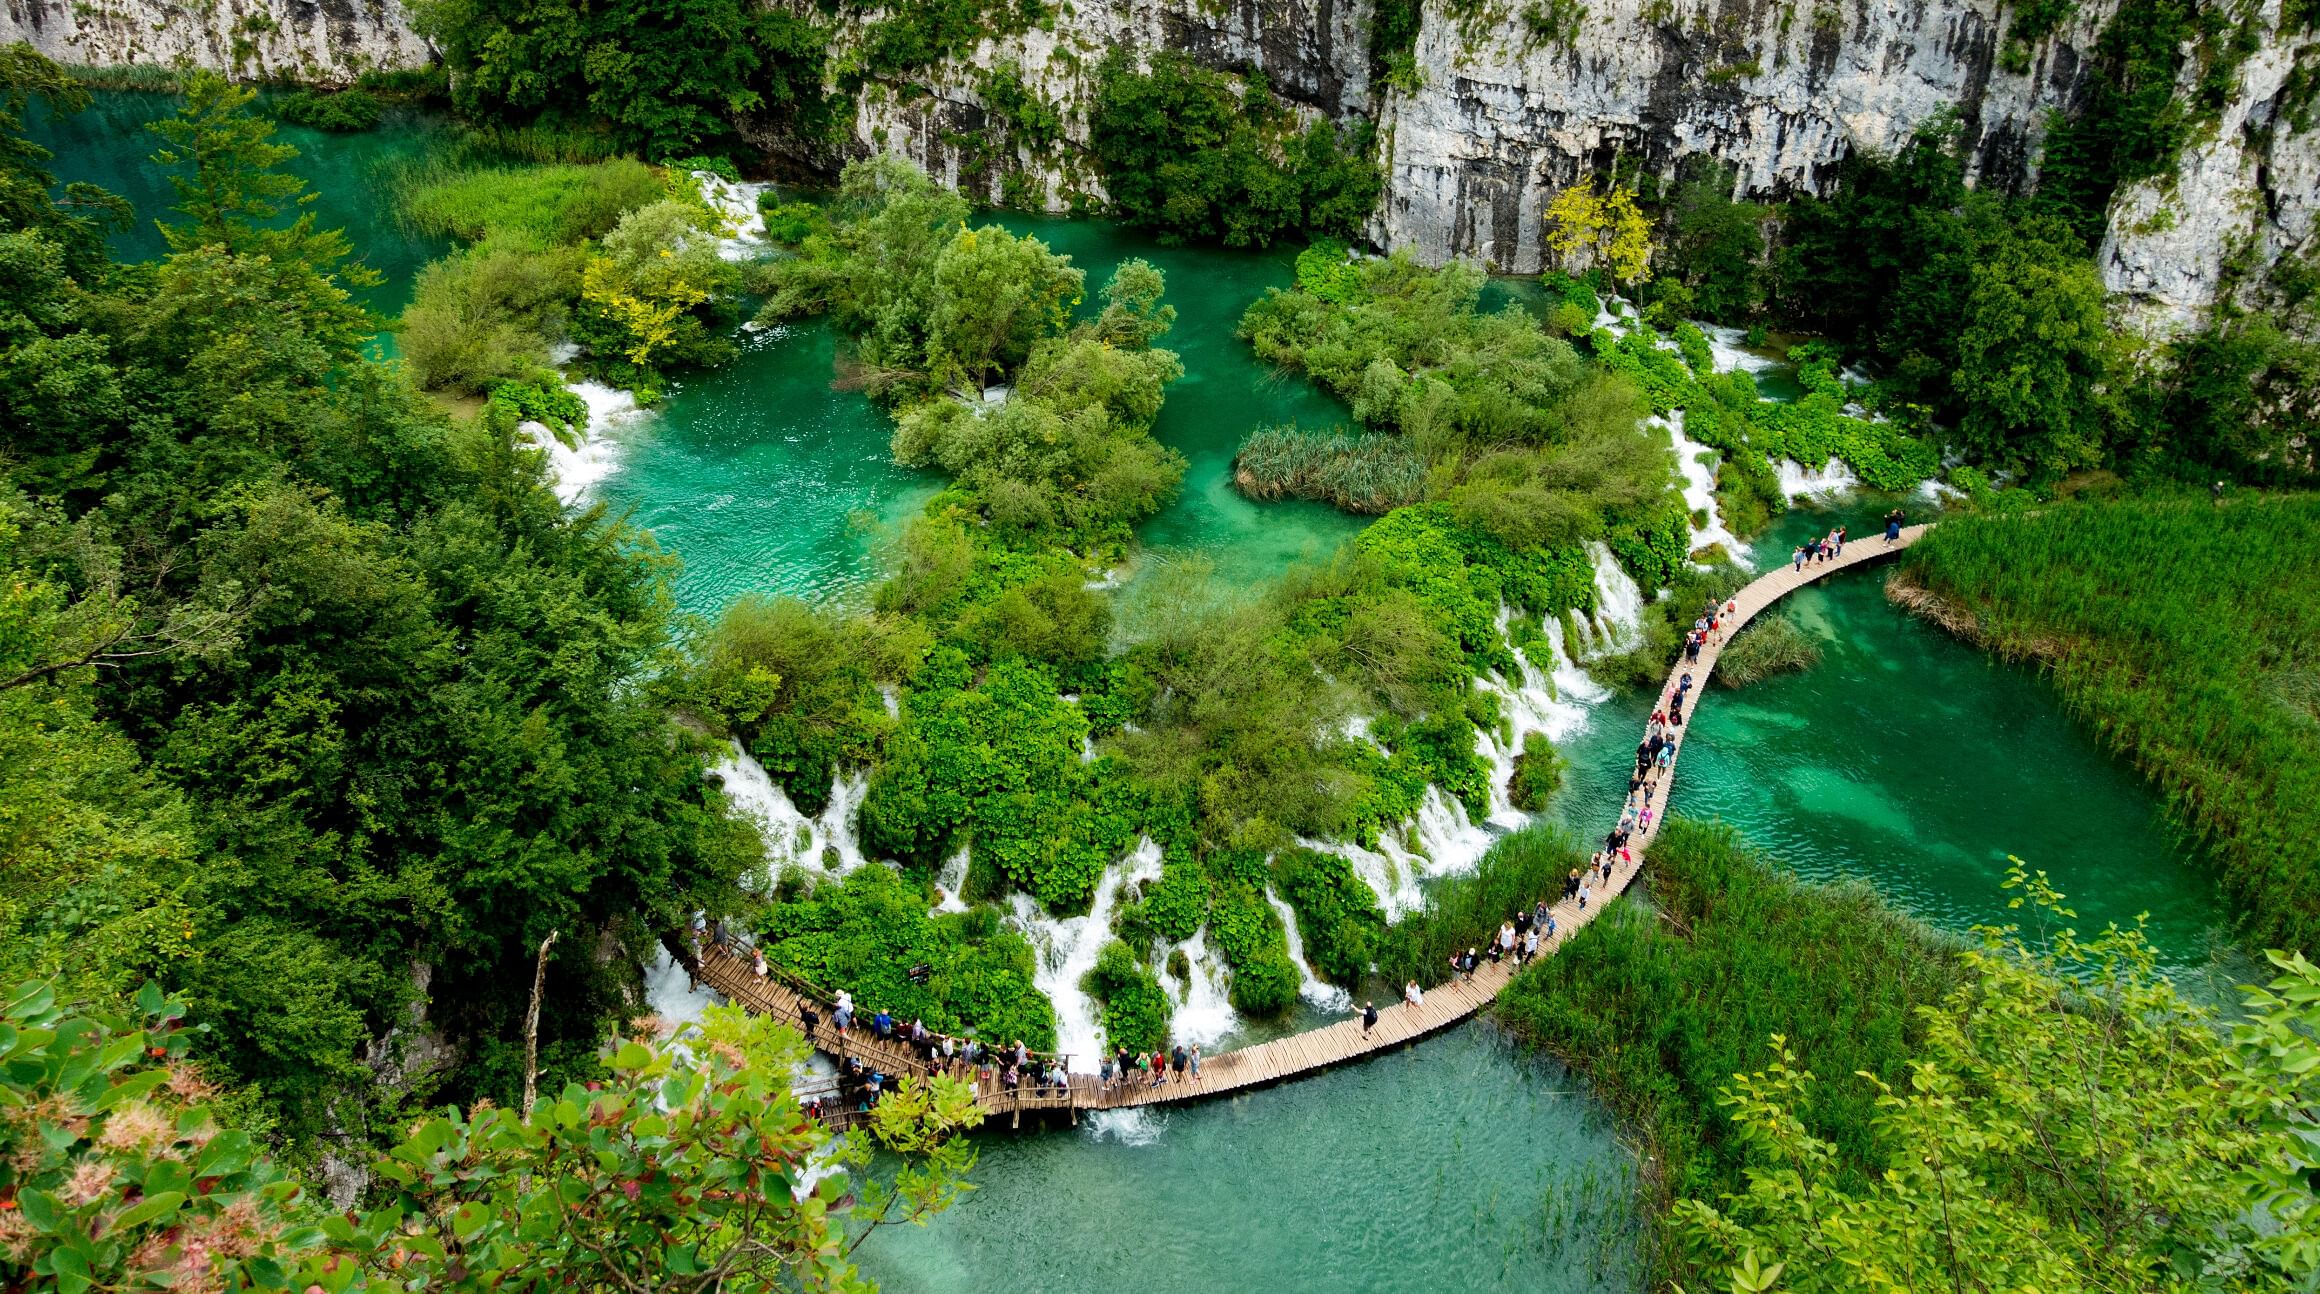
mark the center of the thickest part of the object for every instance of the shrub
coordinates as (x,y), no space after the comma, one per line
(487,314)
(1538,774)
(548,404)
(1135,1008)
(347,110)
(1337,913)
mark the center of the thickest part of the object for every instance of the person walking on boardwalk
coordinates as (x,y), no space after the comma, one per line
(1838,537)
(1413,995)
(843,1015)
(1104,1073)
(1369,1017)
(1892,526)
(1799,556)
(1196,1062)
(1159,1067)
(1530,946)
(1177,1060)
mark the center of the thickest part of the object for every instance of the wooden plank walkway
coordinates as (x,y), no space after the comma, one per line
(1346,1040)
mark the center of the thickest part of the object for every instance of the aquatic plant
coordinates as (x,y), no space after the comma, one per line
(2180,633)
(1462,911)
(1767,645)
(1362,472)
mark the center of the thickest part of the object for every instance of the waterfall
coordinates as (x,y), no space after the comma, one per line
(1327,997)
(1563,673)
(740,225)
(952,881)
(1448,842)
(1067,948)
(1618,624)
(791,836)
(1798,481)
(1728,347)
(576,469)
(1204,1015)
(669,992)
(1389,871)
(1700,488)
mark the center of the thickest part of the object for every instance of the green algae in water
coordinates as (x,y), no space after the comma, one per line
(1459,1163)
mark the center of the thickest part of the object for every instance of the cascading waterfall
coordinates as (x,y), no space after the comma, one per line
(952,881)
(1697,463)
(1798,481)
(1389,871)
(1530,703)
(1204,1014)
(1618,623)
(1325,996)
(1067,948)
(1728,348)
(576,469)
(674,1000)
(790,836)
(740,225)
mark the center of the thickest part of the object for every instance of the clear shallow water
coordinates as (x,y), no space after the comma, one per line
(1454,1164)
(1904,758)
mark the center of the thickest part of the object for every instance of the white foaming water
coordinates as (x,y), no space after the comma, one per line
(675,1002)
(1067,948)
(1389,871)
(576,469)
(740,225)
(1938,492)
(1448,841)
(1531,703)
(1697,462)
(1568,680)
(1204,1016)
(952,880)
(1618,624)
(1834,477)
(1135,1126)
(1728,347)
(1327,997)
(791,836)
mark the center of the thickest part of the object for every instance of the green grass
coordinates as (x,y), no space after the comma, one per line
(1520,869)
(1767,646)
(550,204)
(1365,472)
(1661,1002)
(2187,637)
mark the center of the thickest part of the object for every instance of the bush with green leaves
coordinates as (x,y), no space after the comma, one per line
(868,932)
(343,111)
(1538,774)
(1199,155)
(1134,1008)
(1338,918)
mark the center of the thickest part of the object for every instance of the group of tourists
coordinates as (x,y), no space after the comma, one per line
(1709,627)
(1827,548)
(1149,1069)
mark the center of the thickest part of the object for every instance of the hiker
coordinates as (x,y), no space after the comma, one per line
(883,1023)
(1196,1062)
(843,1015)
(1176,1060)
(1369,1017)
(1412,994)
(809,1018)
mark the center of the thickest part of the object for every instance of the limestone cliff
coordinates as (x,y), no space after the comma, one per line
(1505,102)
(308,40)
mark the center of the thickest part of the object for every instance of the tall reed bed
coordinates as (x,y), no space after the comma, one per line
(1520,869)
(1769,645)
(1659,1002)
(2187,636)
(1366,472)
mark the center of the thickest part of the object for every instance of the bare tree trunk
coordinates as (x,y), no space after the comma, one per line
(532,1027)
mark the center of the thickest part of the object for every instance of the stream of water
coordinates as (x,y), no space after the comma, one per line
(1903,758)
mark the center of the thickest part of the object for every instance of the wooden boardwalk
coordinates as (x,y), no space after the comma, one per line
(1332,1044)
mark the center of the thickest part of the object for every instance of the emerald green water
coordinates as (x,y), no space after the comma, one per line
(1903,758)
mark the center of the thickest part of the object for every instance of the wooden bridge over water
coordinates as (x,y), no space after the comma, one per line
(1283,1058)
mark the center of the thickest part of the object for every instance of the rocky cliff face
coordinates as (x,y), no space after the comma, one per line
(310,40)
(2248,188)
(1781,90)
(1512,100)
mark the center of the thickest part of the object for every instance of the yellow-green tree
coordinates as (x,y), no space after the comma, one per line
(1600,229)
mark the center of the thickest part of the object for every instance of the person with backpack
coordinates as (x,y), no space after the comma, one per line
(1369,1017)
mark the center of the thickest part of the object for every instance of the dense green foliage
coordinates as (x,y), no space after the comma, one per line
(674,1171)
(1660,1003)
(1193,153)
(1337,914)
(2067,1121)
(366,700)
(662,78)
(869,931)
(346,110)
(2183,635)
(1135,1008)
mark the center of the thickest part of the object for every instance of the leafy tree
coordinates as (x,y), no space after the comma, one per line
(1592,229)
(2032,360)
(2069,1122)
(1714,245)
(77,224)
(995,295)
